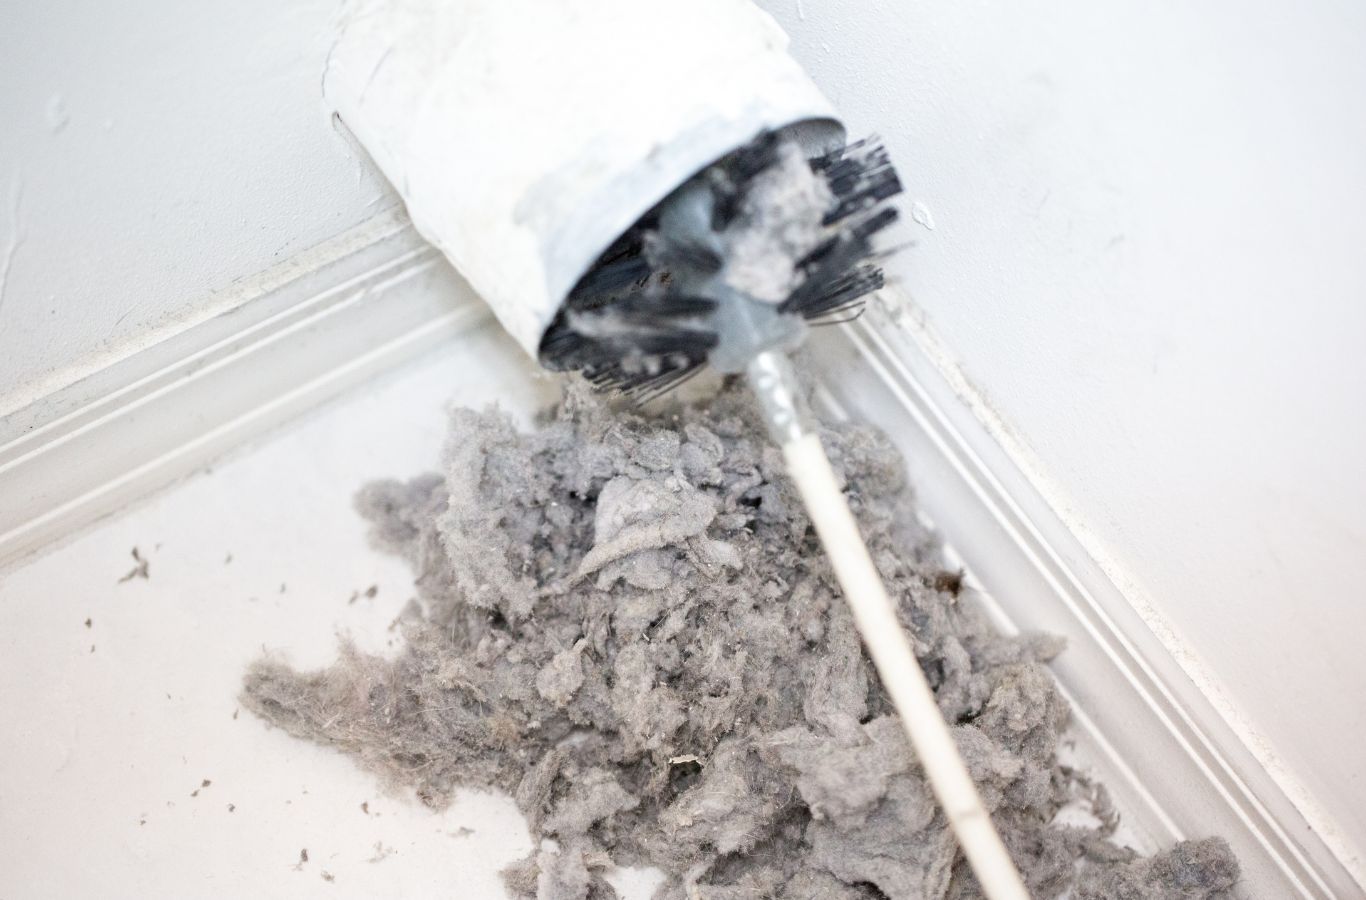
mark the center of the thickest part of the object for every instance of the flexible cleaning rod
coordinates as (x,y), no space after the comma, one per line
(773,381)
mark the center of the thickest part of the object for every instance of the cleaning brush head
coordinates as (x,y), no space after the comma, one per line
(737,261)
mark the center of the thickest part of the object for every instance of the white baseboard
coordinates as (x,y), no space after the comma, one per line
(379,296)
(301,332)
(1161,744)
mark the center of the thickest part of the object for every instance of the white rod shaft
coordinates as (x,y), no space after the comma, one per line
(900,673)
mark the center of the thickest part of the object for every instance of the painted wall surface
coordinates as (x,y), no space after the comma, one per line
(1142,229)
(152,152)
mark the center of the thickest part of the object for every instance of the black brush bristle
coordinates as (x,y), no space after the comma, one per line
(628,326)
(861,176)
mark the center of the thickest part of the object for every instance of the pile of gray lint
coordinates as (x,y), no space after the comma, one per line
(627,623)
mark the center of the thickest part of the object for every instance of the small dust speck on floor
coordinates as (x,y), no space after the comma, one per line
(142,569)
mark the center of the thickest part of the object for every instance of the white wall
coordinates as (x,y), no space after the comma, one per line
(1148,250)
(152,152)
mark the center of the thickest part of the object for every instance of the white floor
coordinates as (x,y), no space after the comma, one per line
(125,767)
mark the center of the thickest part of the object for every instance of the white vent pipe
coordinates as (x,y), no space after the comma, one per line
(525,136)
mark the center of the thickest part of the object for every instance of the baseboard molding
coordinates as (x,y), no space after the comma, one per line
(379,296)
(1160,744)
(298,334)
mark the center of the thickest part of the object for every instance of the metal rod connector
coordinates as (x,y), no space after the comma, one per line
(781,402)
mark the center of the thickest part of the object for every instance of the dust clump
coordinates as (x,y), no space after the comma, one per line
(781,221)
(1189,870)
(627,623)
(142,570)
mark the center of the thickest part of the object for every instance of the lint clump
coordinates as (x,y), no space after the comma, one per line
(626,622)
